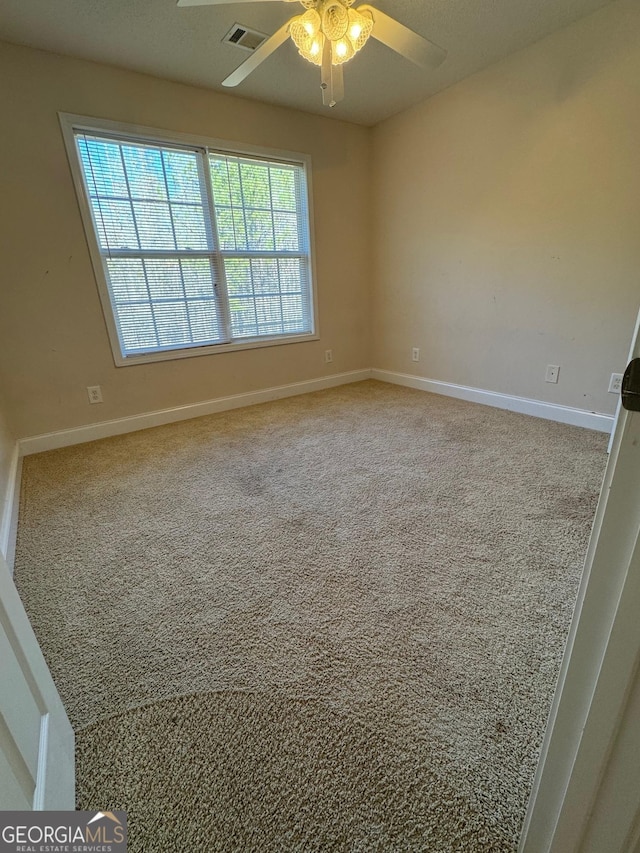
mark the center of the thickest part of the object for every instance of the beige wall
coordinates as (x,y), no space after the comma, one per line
(505,216)
(508,220)
(53,341)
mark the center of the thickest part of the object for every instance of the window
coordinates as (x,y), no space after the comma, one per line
(195,248)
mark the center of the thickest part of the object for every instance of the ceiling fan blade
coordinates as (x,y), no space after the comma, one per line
(404,41)
(222,2)
(258,56)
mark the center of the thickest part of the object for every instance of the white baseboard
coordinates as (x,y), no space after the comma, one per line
(118,426)
(549,411)
(9,508)
(104,429)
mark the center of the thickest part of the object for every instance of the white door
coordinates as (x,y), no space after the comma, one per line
(586,795)
(36,739)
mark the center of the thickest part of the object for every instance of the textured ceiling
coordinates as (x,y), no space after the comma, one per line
(184,44)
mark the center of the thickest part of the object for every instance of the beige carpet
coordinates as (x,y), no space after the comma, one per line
(332,622)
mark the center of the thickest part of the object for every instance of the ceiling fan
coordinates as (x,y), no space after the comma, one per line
(329,33)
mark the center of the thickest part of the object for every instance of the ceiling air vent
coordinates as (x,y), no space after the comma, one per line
(244,37)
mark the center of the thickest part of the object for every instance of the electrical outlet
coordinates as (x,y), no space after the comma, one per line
(615,385)
(553,371)
(415,354)
(328,356)
(94,392)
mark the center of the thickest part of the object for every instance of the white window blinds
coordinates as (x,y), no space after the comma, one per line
(198,247)
(263,229)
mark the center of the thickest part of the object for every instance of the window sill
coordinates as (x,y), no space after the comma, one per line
(211,349)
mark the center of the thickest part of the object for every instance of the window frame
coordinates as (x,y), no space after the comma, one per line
(71,123)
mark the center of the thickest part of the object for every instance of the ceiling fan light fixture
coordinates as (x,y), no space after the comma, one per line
(360,27)
(341,51)
(346,29)
(315,50)
(308,40)
(311,22)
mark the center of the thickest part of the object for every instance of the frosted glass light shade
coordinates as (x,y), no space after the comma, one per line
(360,26)
(307,37)
(347,29)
